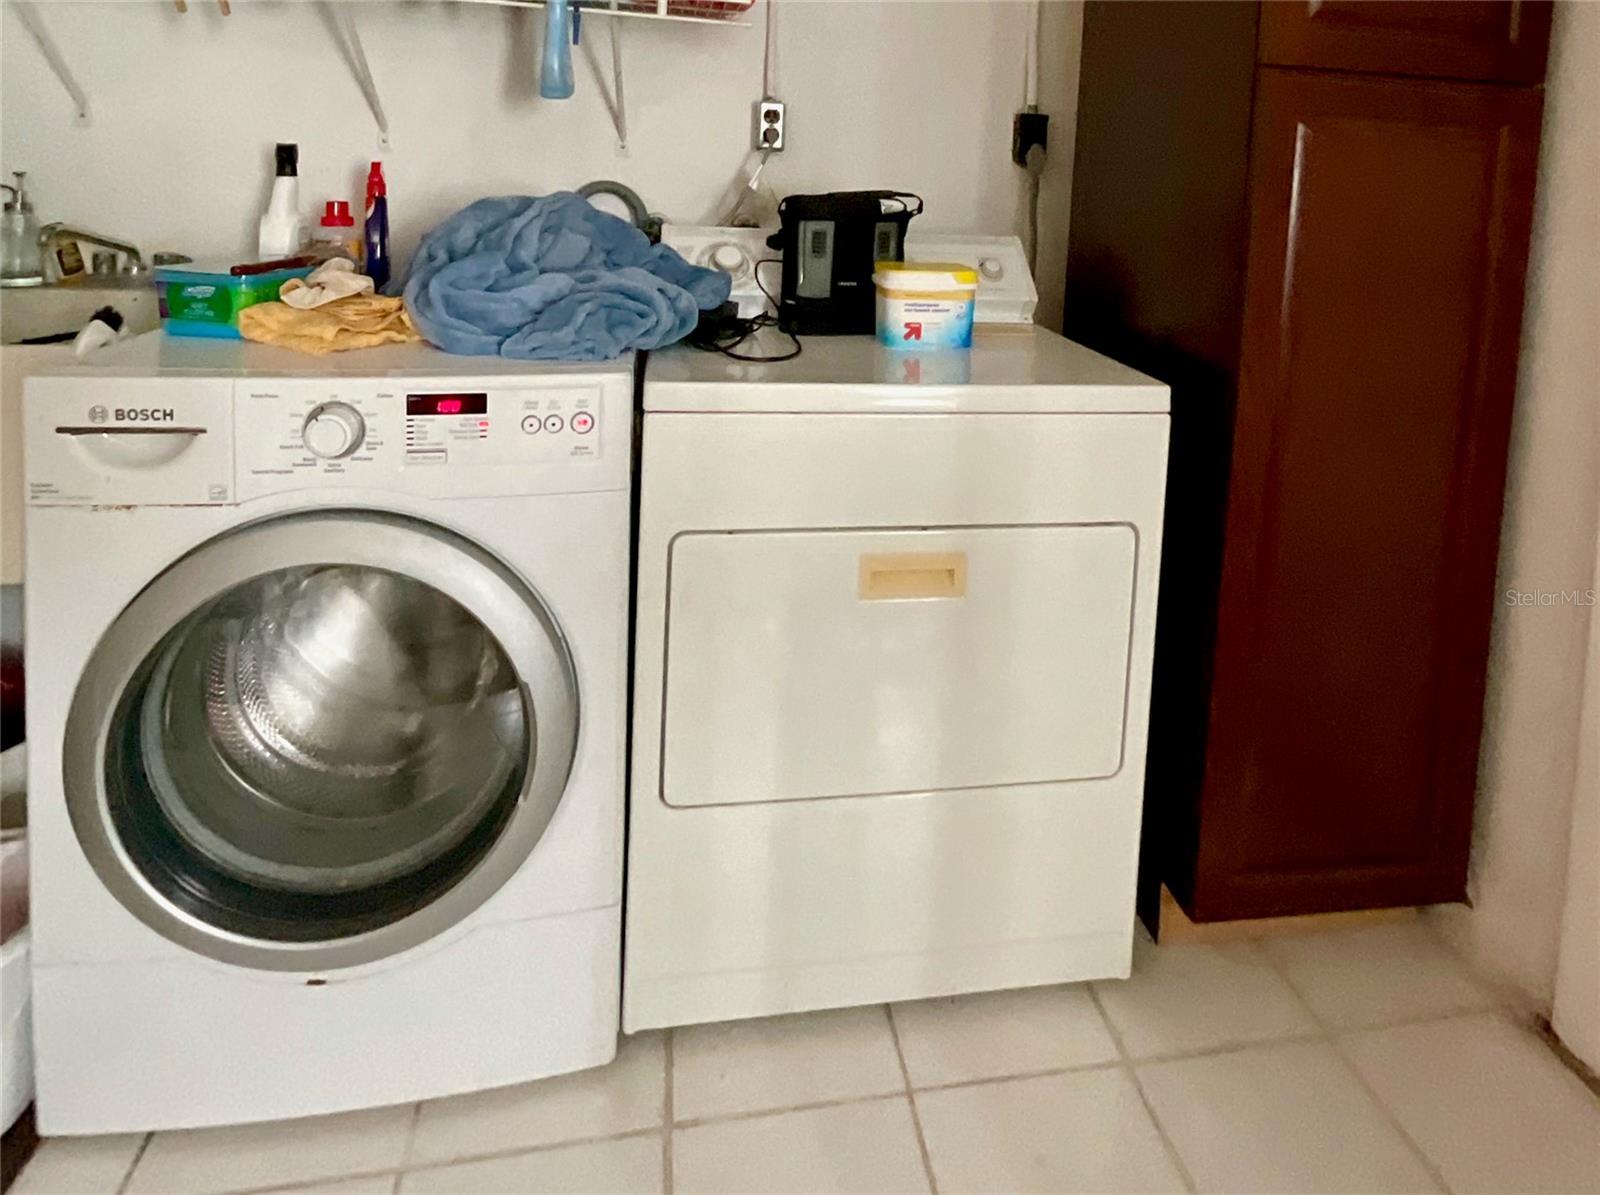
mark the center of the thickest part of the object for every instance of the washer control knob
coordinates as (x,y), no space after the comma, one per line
(992,268)
(728,256)
(333,430)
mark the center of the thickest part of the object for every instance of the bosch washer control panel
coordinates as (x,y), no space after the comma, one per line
(497,427)
(372,431)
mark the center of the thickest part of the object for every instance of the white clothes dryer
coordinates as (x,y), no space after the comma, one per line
(894,632)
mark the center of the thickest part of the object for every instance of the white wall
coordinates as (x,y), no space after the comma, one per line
(1576,1014)
(911,94)
(1532,732)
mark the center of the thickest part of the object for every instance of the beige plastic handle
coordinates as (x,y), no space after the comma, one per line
(889,575)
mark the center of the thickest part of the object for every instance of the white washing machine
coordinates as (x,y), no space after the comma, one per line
(327,671)
(894,632)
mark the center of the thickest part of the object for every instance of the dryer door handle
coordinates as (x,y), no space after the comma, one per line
(889,576)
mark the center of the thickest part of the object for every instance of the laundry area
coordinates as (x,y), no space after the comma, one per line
(799,595)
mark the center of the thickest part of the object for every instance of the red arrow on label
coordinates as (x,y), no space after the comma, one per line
(913,332)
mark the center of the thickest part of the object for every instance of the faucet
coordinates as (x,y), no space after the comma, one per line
(51,235)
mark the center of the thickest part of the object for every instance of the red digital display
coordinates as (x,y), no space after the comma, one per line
(447,404)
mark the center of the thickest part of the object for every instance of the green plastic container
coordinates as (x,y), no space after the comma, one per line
(198,300)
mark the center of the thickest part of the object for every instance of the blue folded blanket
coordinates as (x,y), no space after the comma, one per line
(552,278)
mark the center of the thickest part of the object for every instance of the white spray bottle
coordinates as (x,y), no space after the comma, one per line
(283,231)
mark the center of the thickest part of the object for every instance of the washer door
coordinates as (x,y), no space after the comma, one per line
(319,740)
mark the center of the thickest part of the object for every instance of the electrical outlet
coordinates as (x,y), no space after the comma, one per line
(769,128)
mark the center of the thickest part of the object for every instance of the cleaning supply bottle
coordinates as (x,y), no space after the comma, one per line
(336,234)
(555,73)
(282,230)
(377,231)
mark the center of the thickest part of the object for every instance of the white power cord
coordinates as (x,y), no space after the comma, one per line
(766,54)
(1030,59)
(1033,161)
(750,191)
(747,195)
(1035,170)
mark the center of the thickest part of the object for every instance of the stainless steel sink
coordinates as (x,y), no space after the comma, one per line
(31,313)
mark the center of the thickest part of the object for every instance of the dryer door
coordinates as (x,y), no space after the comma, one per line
(320,739)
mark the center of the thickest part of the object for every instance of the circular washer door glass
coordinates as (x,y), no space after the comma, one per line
(320,739)
(316,752)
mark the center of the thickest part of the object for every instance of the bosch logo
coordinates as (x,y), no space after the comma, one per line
(141,414)
(98,414)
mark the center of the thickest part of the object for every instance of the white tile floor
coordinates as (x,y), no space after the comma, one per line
(1358,1061)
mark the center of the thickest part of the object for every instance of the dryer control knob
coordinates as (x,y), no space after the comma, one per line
(333,430)
(728,256)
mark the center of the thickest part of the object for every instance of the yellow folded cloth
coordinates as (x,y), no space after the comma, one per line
(354,322)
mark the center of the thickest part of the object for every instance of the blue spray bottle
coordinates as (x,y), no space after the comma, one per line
(555,74)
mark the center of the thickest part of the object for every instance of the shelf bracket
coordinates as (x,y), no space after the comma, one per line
(33,22)
(615,101)
(343,23)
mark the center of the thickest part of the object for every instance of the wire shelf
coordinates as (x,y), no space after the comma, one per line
(709,12)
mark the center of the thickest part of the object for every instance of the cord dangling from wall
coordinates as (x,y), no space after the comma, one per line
(1030,131)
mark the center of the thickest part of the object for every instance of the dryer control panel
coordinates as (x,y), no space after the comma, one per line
(1006,293)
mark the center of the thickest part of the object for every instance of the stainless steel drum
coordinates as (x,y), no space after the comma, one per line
(325,729)
(326,749)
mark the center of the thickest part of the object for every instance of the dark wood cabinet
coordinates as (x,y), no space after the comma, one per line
(1501,40)
(1328,268)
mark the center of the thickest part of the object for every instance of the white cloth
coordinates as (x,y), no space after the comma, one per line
(335,278)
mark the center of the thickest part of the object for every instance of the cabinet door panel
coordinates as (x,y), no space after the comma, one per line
(1500,40)
(1388,242)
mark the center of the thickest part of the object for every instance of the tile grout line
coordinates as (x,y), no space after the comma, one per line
(1508,1002)
(1123,1062)
(1429,1018)
(1281,969)
(1228,1047)
(668,1180)
(697,1122)
(1324,1033)
(1049,1072)
(1149,1109)
(1502,995)
(303,1184)
(127,1176)
(911,1098)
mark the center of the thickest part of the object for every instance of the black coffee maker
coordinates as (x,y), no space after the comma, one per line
(830,244)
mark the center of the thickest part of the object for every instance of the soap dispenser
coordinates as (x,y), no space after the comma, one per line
(21,262)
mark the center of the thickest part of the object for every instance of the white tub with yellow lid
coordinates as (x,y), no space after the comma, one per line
(925,305)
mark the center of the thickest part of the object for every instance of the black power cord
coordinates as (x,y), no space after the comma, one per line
(723,331)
